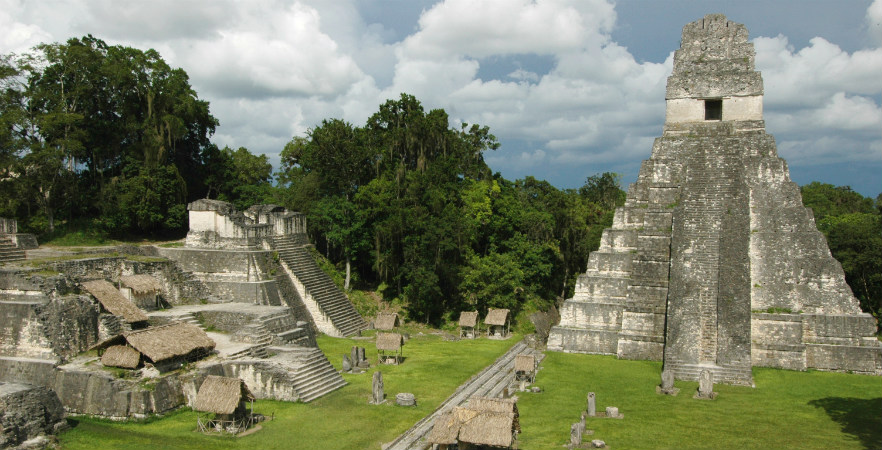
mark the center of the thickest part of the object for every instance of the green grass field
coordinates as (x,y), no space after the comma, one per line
(787,409)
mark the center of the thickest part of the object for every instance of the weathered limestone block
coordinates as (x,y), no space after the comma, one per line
(27,412)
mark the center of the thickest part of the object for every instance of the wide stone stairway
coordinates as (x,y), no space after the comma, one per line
(9,251)
(332,311)
(490,382)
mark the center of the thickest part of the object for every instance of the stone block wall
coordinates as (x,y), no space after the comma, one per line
(27,412)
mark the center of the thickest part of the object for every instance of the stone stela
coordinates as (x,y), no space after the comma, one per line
(706,386)
(377,394)
(713,263)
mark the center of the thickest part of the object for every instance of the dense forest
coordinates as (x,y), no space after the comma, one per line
(112,140)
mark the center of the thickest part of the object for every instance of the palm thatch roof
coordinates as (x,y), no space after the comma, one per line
(141,284)
(386,321)
(475,426)
(389,341)
(468,319)
(121,356)
(221,395)
(168,341)
(525,363)
(445,430)
(114,302)
(506,405)
(496,317)
(489,428)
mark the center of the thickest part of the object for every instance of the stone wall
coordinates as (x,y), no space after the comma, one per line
(27,412)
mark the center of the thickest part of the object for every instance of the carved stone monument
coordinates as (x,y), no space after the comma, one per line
(705,386)
(667,384)
(713,242)
(592,405)
(377,395)
(576,435)
(347,364)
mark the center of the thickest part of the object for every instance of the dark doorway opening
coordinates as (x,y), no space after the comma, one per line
(713,109)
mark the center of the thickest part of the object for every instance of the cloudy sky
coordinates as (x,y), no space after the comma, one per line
(570,88)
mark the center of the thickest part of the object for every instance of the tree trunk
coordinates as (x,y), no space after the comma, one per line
(348,268)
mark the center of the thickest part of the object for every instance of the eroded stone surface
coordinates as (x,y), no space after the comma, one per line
(712,235)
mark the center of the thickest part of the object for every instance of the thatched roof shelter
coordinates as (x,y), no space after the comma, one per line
(496,317)
(169,341)
(221,395)
(387,321)
(114,302)
(445,430)
(468,319)
(141,284)
(485,421)
(121,356)
(389,342)
(489,428)
(525,363)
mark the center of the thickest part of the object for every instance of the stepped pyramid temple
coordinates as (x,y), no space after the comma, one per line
(713,262)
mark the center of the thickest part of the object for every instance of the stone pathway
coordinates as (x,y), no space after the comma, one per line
(490,382)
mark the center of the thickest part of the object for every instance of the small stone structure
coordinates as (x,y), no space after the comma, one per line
(591,408)
(483,422)
(468,324)
(28,412)
(405,399)
(667,384)
(217,224)
(143,290)
(714,239)
(497,323)
(377,394)
(706,386)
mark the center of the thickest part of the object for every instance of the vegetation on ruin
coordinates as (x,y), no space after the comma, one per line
(101,144)
(433,369)
(787,409)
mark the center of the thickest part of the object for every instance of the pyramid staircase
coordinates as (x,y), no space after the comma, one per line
(315,375)
(9,251)
(331,310)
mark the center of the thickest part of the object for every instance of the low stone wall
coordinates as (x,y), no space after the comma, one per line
(254,292)
(815,341)
(97,393)
(27,412)
(56,329)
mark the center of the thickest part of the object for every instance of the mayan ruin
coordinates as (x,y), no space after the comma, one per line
(441,225)
(713,263)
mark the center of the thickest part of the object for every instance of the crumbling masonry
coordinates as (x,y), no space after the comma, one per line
(713,262)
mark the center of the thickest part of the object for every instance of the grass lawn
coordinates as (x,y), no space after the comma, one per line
(342,419)
(787,409)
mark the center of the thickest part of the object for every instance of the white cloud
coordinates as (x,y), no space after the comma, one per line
(274,68)
(874,21)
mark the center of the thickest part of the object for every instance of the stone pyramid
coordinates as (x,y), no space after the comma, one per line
(713,262)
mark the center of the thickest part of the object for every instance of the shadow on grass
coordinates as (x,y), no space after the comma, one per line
(858,417)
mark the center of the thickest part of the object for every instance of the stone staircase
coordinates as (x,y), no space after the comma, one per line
(316,376)
(9,251)
(740,376)
(332,305)
(490,382)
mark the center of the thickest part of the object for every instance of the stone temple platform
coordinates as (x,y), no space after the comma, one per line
(713,262)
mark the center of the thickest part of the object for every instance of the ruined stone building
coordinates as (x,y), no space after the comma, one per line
(243,298)
(713,262)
